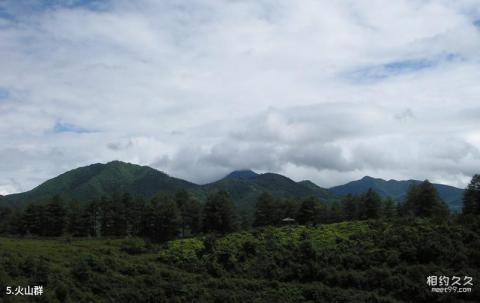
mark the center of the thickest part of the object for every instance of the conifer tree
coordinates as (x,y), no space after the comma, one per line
(189,212)
(55,218)
(372,203)
(308,211)
(350,207)
(265,210)
(389,208)
(471,197)
(219,213)
(163,219)
(75,226)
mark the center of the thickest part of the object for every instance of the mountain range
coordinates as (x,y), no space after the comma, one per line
(397,190)
(90,182)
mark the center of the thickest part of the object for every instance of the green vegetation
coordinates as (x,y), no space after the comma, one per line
(166,216)
(362,261)
(94,181)
(397,190)
(471,198)
(172,248)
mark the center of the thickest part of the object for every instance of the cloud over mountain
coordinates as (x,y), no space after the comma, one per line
(321,90)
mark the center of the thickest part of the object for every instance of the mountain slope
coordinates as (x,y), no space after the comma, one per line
(95,180)
(398,189)
(245,186)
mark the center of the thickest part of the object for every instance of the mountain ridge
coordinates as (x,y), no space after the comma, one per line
(397,189)
(94,180)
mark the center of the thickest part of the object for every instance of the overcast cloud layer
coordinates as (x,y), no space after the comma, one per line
(322,90)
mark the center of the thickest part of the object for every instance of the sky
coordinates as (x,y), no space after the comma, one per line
(328,91)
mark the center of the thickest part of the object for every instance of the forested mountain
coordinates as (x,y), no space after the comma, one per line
(398,189)
(89,182)
(93,181)
(245,186)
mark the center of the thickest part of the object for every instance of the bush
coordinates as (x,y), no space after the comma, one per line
(133,246)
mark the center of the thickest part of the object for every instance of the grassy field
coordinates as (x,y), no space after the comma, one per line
(343,262)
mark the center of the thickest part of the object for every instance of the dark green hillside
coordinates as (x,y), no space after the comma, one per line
(244,189)
(398,189)
(362,261)
(95,180)
(244,186)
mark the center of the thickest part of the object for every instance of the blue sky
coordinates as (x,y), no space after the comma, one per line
(320,90)
(62,127)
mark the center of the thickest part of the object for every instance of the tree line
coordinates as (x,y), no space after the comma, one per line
(162,218)
(167,216)
(422,200)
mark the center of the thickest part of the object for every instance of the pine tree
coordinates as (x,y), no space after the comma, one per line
(372,203)
(91,218)
(5,219)
(335,213)
(428,200)
(350,207)
(56,217)
(409,207)
(219,213)
(134,216)
(423,201)
(33,220)
(189,212)
(389,208)
(163,219)
(120,209)
(471,197)
(16,224)
(74,220)
(107,217)
(308,212)
(264,210)
(192,215)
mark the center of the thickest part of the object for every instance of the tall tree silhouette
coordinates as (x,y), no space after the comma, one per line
(219,213)
(471,197)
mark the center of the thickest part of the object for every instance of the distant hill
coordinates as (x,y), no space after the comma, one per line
(398,189)
(245,186)
(93,181)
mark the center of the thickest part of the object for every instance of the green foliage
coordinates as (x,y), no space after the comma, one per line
(133,246)
(94,181)
(309,211)
(471,197)
(423,201)
(162,218)
(219,214)
(372,203)
(397,190)
(55,217)
(97,180)
(266,210)
(190,213)
(361,261)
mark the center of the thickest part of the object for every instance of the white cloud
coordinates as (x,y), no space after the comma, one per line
(322,90)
